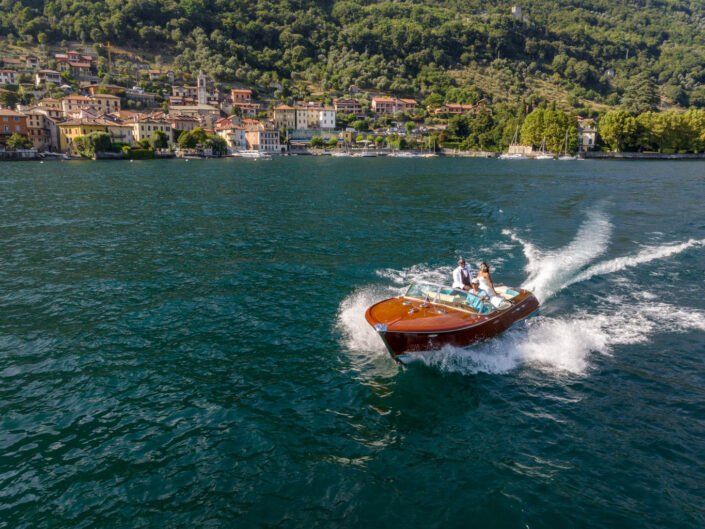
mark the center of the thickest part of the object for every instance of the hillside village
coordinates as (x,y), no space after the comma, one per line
(157,110)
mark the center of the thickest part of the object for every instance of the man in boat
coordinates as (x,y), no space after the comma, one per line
(462,275)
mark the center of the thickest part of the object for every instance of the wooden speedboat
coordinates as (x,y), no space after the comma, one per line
(428,316)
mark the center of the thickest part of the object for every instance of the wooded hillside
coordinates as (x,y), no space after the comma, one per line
(594,50)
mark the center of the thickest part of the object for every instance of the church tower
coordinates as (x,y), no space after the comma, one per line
(202,89)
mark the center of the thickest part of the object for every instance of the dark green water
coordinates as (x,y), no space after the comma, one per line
(183,345)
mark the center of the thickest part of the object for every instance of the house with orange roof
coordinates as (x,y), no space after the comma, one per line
(262,137)
(392,105)
(233,132)
(240,95)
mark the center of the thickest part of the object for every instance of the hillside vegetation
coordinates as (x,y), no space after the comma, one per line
(576,53)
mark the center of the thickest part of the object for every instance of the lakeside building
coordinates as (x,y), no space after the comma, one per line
(11,122)
(232,131)
(43,77)
(284,117)
(262,137)
(587,134)
(392,105)
(304,117)
(145,125)
(181,123)
(42,130)
(74,128)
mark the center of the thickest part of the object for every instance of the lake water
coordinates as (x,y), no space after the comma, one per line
(183,345)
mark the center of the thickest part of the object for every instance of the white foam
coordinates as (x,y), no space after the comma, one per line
(549,270)
(357,334)
(647,254)
(565,345)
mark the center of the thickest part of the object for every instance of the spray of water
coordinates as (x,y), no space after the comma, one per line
(647,254)
(550,270)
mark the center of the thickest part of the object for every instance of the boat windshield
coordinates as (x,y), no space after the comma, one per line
(452,297)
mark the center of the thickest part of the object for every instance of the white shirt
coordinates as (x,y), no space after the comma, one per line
(458,276)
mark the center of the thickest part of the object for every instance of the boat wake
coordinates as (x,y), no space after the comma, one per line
(552,344)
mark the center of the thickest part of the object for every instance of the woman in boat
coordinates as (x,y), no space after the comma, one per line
(485,279)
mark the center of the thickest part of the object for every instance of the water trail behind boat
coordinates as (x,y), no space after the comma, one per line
(549,270)
(647,254)
(566,345)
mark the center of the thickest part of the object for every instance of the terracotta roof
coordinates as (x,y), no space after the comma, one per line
(8,112)
(77,98)
(92,121)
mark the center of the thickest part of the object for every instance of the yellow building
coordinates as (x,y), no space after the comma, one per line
(72,129)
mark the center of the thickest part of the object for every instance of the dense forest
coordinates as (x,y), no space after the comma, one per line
(594,51)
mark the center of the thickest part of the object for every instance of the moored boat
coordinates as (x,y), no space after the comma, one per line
(428,317)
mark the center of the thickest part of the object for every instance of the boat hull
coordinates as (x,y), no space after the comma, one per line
(404,345)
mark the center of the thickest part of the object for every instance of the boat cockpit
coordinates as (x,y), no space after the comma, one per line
(461,299)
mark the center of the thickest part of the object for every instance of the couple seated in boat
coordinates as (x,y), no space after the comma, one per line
(480,285)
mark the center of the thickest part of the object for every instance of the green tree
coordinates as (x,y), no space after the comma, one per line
(547,125)
(159,140)
(9,99)
(318,142)
(218,145)
(618,129)
(18,141)
(641,95)
(88,146)
(361,125)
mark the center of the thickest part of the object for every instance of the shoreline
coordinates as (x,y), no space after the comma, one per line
(15,156)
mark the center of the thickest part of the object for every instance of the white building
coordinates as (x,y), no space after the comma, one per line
(327,118)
